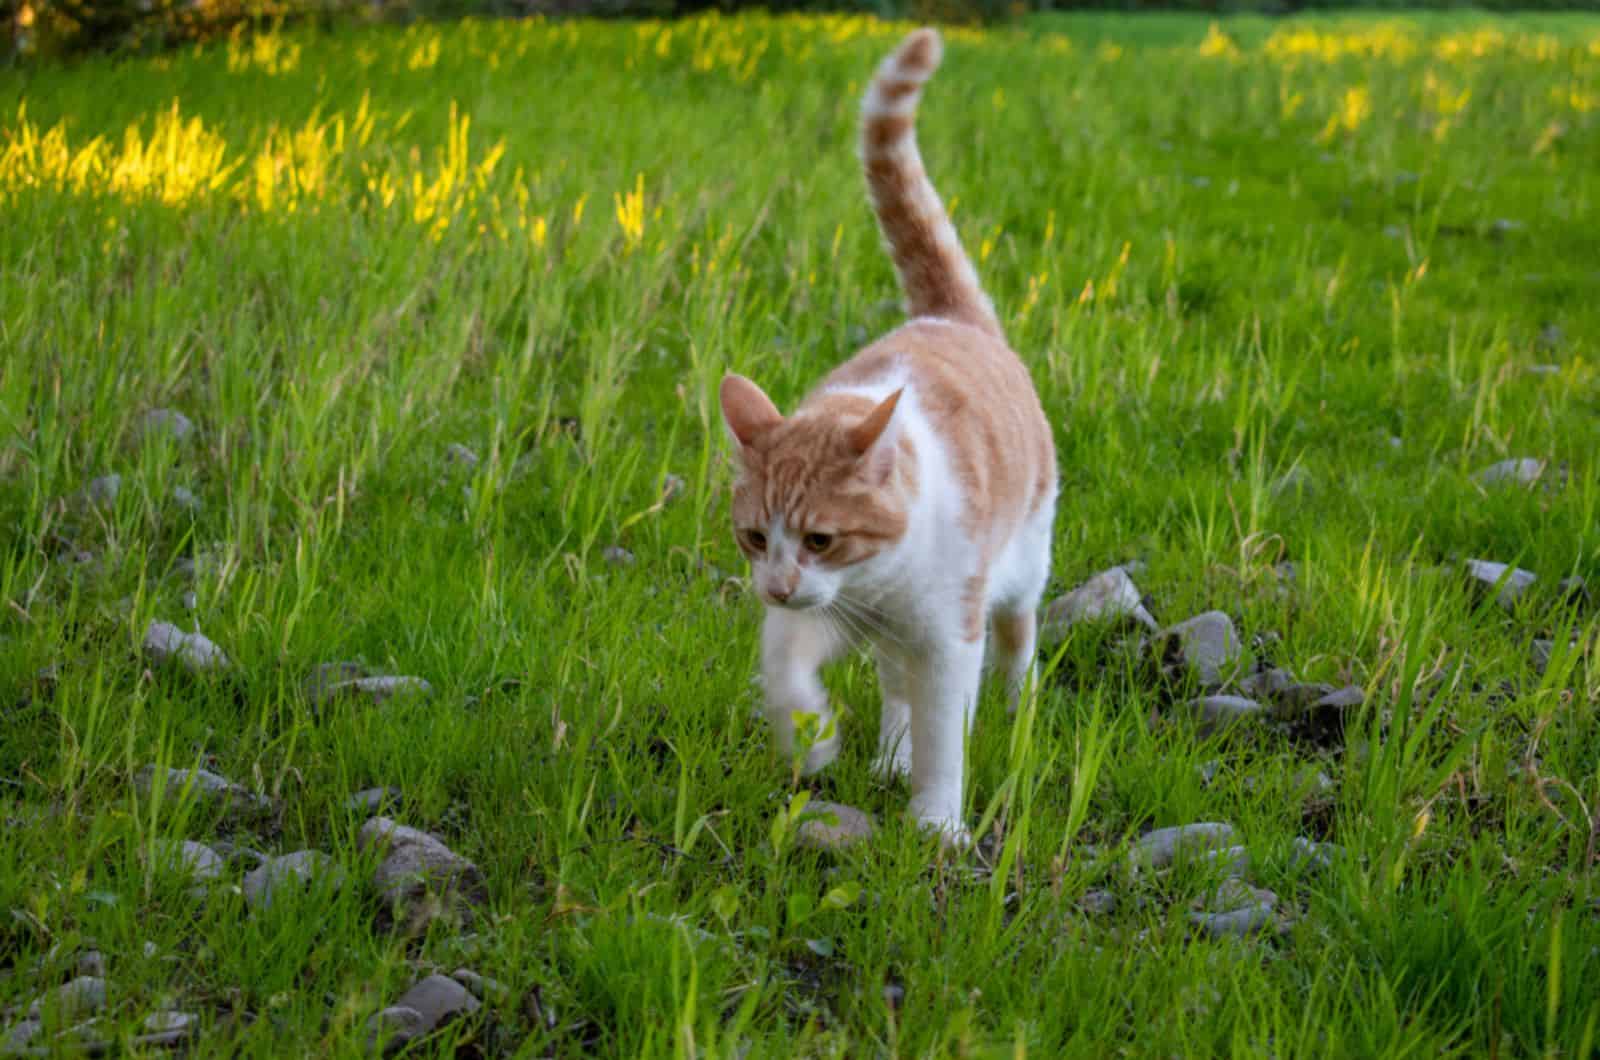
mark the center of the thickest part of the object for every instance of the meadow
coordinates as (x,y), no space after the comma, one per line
(445,308)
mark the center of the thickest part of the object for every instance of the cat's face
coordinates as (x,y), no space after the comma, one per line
(819,495)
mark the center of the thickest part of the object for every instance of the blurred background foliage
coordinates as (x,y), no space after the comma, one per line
(46,29)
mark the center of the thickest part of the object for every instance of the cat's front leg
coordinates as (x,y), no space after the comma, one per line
(794,646)
(894,728)
(944,685)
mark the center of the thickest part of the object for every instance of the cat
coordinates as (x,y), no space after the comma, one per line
(909,502)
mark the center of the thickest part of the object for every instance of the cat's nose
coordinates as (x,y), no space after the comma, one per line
(780,594)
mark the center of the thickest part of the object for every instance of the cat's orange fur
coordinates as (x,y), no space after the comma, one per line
(908,499)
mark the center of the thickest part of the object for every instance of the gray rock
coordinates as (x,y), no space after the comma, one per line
(381,689)
(194,860)
(325,678)
(1551,336)
(439,999)
(1234,893)
(185,499)
(92,963)
(1523,472)
(83,996)
(165,423)
(420,877)
(618,556)
(19,1039)
(672,487)
(191,600)
(371,800)
(1213,714)
(1486,574)
(1312,782)
(459,454)
(1109,597)
(165,643)
(1298,697)
(832,826)
(483,988)
(1539,655)
(289,874)
(1321,721)
(394,1028)
(1307,855)
(1160,848)
(1207,771)
(166,1030)
(1098,903)
(1238,923)
(1573,591)
(1543,369)
(1206,645)
(102,492)
(206,787)
(1232,862)
(1268,684)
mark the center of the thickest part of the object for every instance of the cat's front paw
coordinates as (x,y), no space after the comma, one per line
(952,833)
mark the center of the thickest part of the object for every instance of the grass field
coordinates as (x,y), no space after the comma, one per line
(1286,288)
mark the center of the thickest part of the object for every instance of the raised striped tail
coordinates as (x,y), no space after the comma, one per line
(936,274)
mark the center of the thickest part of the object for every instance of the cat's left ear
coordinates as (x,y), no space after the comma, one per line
(876,438)
(746,410)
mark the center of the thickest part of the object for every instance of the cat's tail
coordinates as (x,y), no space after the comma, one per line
(935,272)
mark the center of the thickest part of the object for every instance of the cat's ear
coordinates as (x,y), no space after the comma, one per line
(876,438)
(746,410)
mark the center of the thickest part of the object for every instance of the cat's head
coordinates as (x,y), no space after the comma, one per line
(820,494)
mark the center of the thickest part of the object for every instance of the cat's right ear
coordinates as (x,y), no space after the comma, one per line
(746,410)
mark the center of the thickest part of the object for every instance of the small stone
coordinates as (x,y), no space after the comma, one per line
(672,487)
(166,1023)
(1254,918)
(894,995)
(1109,597)
(1098,903)
(102,492)
(459,454)
(83,996)
(439,999)
(1215,713)
(420,877)
(1522,472)
(832,826)
(194,860)
(1551,336)
(1206,645)
(1543,369)
(206,786)
(1310,856)
(291,872)
(1207,771)
(185,499)
(1230,861)
(1234,893)
(92,963)
(326,678)
(1486,574)
(380,689)
(618,556)
(394,1028)
(1573,591)
(1505,225)
(19,1039)
(1268,684)
(165,423)
(165,643)
(1160,848)
(1321,721)
(191,600)
(1312,782)
(483,988)
(371,800)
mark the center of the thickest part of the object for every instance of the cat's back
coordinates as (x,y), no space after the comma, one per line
(979,400)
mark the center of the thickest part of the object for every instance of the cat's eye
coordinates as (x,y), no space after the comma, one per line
(818,543)
(756,540)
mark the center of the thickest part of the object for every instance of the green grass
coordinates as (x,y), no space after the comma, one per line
(339,295)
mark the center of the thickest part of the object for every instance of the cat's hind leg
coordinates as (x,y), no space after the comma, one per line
(794,646)
(1015,617)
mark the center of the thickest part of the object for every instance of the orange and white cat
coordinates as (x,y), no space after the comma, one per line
(908,502)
